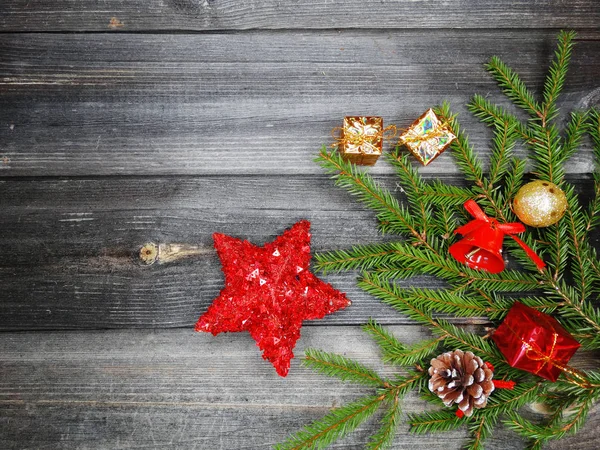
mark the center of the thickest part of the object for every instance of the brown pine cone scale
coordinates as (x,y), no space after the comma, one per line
(462,378)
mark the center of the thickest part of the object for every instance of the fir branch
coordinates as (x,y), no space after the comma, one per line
(458,338)
(389,294)
(453,336)
(334,425)
(558,248)
(547,151)
(394,352)
(424,261)
(574,307)
(513,87)
(392,273)
(445,223)
(413,187)
(463,277)
(401,385)
(556,75)
(496,116)
(441,194)
(480,430)
(544,433)
(460,147)
(503,401)
(359,257)
(505,281)
(589,340)
(418,352)
(390,213)
(429,222)
(503,144)
(390,347)
(501,305)
(593,128)
(535,445)
(593,212)
(383,438)
(445,302)
(575,130)
(430,422)
(343,368)
(396,256)
(592,258)
(467,161)
(576,225)
(588,383)
(513,182)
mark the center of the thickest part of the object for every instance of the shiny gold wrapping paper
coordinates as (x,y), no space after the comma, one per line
(361,140)
(427,137)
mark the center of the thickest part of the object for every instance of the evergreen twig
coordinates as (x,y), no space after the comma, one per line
(567,288)
(334,425)
(343,368)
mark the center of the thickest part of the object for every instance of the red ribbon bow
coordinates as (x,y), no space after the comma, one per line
(510,229)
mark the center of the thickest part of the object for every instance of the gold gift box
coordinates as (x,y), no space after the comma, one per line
(427,137)
(361,140)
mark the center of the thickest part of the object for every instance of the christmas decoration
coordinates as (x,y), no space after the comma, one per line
(567,285)
(481,247)
(427,137)
(540,203)
(533,341)
(462,378)
(268,292)
(361,139)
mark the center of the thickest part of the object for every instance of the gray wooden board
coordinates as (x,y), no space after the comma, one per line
(70,246)
(183,390)
(252,103)
(162,120)
(171,15)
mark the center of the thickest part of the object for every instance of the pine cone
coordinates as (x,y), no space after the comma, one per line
(462,378)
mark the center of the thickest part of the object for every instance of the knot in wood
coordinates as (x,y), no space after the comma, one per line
(149,253)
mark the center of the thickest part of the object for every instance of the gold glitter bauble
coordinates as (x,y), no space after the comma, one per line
(540,203)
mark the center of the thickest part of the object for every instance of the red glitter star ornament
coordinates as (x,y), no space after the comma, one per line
(268,292)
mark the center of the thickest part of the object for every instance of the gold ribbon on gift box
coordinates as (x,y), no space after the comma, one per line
(409,136)
(367,136)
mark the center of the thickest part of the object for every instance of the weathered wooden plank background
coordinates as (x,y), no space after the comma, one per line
(123,123)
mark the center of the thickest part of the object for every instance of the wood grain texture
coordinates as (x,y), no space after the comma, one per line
(128,122)
(70,256)
(183,390)
(252,103)
(70,246)
(201,15)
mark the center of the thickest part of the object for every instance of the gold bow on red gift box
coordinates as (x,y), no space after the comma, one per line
(535,342)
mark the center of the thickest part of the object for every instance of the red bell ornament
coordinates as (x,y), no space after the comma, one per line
(481,245)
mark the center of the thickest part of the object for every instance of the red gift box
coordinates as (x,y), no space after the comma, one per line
(535,342)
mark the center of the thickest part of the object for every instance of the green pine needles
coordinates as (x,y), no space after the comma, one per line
(566,288)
